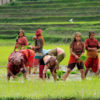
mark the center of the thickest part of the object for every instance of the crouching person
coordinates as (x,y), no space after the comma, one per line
(58,53)
(48,62)
(16,65)
(28,55)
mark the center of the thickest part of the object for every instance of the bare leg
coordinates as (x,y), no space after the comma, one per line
(35,69)
(8,77)
(29,70)
(82,74)
(24,75)
(54,76)
(86,71)
(67,73)
(97,73)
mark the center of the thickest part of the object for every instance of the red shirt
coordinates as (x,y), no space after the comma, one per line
(15,69)
(92,43)
(22,41)
(77,49)
(27,54)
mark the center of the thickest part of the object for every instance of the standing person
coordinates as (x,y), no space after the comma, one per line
(21,40)
(48,62)
(92,45)
(76,50)
(39,43)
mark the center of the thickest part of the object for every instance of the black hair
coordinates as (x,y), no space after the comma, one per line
(74,39)
(75,36)
(91,32)
(19,36)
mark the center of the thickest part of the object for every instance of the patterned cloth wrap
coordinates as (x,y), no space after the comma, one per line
(16,58)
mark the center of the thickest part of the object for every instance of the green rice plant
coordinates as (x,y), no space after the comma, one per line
(32,89)
(83,58)
(74,72)
(20,74)
(60,73)
(48,74)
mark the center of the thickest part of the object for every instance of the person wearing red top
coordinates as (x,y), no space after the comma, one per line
(18,61)
(15,65)
(76,50)
(92,45)
(22,40)
(28,55)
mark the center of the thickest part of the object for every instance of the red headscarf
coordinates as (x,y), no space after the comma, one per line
(38,33)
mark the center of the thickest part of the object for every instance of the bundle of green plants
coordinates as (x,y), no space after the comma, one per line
(20,74)
(28,47)
(48,74)
(60,73)
(83,58)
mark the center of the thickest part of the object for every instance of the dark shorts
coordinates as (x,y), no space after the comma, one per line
(79,65)
(15,73)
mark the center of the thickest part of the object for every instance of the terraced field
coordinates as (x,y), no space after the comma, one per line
(52,16)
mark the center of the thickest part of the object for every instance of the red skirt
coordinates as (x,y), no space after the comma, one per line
(30,61)
(73,59)
(41,68)
(92,63)
(36,62)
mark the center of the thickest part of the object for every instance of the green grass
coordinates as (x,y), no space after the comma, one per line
(37,89)
(50,19)
(54,5)
(8,48)
(52,16)
(54,23)
(51,30)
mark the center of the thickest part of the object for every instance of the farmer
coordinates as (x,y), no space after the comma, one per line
(39,43)
(48,62)
(92,46)
(58,53)
(21,40)
(76,50)
(28,59)
(16,65)
(18,61)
